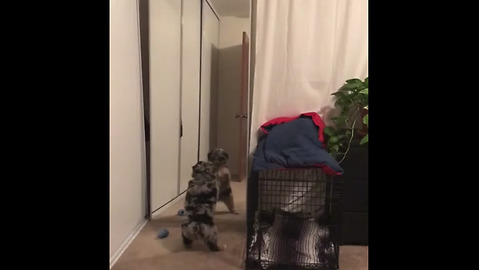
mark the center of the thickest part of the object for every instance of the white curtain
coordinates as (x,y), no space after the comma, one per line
(305,50)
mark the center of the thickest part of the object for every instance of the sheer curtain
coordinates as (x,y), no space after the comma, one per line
(305,50)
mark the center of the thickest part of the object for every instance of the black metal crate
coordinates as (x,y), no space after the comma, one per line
(294,223)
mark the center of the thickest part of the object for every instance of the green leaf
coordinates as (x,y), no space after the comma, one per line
(333,140)
(329,131)
(365,119)
(335,148)
(365,82)
(343,102)
(353,84)
(353,81)
(341,119)
(330,144)
(364,100)
(344,89)
(339,94)
(364,91)
(364,140)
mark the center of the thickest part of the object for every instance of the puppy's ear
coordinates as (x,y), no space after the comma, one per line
(195,166)
(226,155)
(210,167)
(210,155)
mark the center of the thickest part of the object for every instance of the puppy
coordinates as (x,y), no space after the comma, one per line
(200,203)
(219,158)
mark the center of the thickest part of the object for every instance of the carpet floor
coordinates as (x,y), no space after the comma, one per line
(147,252)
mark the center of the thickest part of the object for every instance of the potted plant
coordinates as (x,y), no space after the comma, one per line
(352,120)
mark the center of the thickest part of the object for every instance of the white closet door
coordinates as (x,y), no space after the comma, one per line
(190,88)
(210,32)
(165,47)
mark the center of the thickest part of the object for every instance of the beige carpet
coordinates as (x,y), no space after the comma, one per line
(146,252)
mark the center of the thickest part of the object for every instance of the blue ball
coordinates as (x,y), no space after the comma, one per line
(181,212)
(163,233)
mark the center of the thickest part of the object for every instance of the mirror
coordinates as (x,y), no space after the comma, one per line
(195,89)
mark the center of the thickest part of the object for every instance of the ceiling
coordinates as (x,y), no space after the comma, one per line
(237,8)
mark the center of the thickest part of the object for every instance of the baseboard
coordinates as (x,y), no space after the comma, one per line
(139,227)
(126,243)
(166,206)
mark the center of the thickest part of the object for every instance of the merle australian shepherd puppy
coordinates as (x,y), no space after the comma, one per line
(200,203)
(219,158)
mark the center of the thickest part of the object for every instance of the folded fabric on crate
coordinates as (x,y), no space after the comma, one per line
(294,142)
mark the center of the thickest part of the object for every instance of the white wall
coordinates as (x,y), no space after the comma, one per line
(127,148)
(239,8)
(231,29)
(229,85)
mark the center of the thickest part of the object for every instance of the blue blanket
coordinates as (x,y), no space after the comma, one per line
(294,143)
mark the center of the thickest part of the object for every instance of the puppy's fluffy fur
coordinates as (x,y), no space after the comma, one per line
(200,203)
(219,158)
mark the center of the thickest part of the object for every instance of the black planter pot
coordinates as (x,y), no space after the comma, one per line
(354,217)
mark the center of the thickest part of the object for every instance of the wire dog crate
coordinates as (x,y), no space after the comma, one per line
(294,220)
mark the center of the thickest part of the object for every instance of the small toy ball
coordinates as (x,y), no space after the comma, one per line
(163,233)
(181,212)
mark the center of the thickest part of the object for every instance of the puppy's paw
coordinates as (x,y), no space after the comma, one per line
(213,247)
